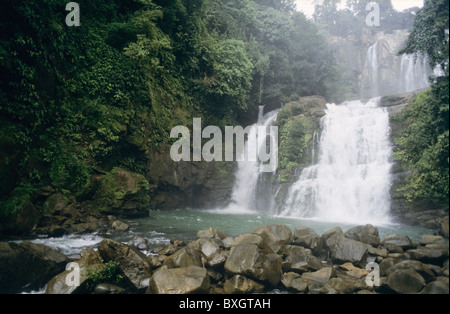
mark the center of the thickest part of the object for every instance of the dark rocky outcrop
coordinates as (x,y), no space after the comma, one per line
(28,266)
(188,184)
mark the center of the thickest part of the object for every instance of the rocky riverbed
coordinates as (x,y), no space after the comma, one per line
(269,258)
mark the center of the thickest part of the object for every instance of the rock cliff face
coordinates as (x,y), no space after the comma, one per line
(378,70)
(188,184)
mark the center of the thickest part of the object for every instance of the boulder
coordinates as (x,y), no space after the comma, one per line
(402,241)
(90,259)
(184,257)
(123,193)
(431,239)
(405,281)
(28,266)
(367,234)
(119,226)
(242,284)
(274,235)
(329,238)
(307,238)
(340,285)
(211,252)
(298,259)
(444,226)
(108,288)
(187,280)
(320,277)
(354,271)
(348,250)
(248,238)
(256,263)
(23,222)
(55,203)
(436,287)
(211,233)
(432,253)
(133,264)
(419,267)
(140,243)
(294,282)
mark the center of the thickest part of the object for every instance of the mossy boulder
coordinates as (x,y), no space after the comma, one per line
(122,193)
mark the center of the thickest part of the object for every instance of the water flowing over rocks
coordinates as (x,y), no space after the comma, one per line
(267,258)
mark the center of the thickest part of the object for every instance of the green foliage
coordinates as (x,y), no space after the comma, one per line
(351,20)
(295,139)
(16,199)
(424,148)
(429,34)
(116,185)
(102,95)
(109,273)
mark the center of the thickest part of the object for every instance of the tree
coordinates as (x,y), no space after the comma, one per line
(430,35)
(424,144)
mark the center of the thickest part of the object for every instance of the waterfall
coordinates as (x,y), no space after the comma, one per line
(351,180)
(372,62)
(252,190)
(414,73)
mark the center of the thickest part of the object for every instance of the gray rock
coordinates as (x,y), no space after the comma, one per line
(405,281)
(436,287)
(274,235)
(119,226)
(187,280)
(139,242)
(133,264)
(431,253)
(211,233)
(399,240)
(306,237)
(89,260)
(367,234)
(320,277)
(444,226)
(211,252)
(431,239)
(108,288)
(419,267)
(185,257)
(28,266)
(242,284)
(295,282)
(340,285)
(251,261)
(329,238)
(298,259)
(248,238)
(348,250)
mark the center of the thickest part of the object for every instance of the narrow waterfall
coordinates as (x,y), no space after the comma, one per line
(372,63)
(414,73)
(351,180)
(252,190)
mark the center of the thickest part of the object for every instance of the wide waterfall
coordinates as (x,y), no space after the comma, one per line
(351,180)
(252,189)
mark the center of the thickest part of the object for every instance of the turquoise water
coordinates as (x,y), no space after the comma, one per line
(184,224)
(161,226)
